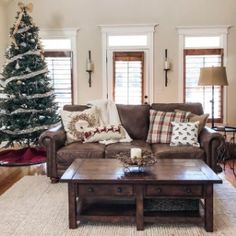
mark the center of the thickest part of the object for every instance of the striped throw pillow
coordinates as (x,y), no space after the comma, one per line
(160,128)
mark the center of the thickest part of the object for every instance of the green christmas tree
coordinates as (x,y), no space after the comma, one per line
(28,106)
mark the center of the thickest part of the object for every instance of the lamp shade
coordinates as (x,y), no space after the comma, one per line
(213,76)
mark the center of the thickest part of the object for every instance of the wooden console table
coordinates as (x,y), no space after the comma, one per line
(93,183)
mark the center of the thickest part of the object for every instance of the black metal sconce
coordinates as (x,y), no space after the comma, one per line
(89,68)
(166,67)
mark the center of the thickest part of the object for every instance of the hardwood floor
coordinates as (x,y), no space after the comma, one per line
(10,175)
(228,172)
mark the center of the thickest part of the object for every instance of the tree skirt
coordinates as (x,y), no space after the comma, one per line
(22,157)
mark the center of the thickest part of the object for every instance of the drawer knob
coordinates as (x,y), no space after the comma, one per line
(158,190)
(188,190)
(119,190)
(90,189)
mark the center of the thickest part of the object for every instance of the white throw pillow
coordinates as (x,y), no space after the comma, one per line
(112,132)
(77,122)
(185,133)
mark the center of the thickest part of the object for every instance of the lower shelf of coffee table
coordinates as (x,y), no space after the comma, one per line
(108,211)
(99,210)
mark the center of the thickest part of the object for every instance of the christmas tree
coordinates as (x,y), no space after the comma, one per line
(28,106)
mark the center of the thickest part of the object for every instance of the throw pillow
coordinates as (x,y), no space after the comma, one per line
(77,122)
(193,118)
(160,128)
(113,132)
(202,119)
(184,134)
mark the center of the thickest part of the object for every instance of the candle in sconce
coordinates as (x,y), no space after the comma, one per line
(167,65)
(135,153)
(89,66)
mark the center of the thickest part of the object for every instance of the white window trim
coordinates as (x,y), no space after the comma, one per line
(108,30)
(69,33)
(184,31)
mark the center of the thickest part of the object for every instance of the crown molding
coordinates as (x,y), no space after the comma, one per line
(206,29)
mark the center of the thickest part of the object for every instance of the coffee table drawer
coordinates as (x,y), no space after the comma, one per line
(174,190)
(105,190)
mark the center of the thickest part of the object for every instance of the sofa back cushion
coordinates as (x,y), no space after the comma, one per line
(75,107)
(195,108)
(135,119)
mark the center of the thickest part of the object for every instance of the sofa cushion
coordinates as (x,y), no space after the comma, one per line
(112,149)
(76,150)
(195,108)
(75,107)
(135,119)
(166,151)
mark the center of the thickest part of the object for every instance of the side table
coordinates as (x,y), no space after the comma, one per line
(227,152)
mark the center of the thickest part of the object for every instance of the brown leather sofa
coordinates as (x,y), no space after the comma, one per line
(135,119)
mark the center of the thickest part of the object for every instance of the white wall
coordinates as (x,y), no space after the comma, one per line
(88,14)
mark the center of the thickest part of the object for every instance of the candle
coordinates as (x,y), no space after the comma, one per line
(135,153)
(89,66)
(167,65)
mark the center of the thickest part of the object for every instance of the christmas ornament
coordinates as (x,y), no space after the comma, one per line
(28,69)
(23,44)
(18,82)
(17,66)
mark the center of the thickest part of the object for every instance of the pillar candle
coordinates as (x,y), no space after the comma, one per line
(167,65)
(135,152)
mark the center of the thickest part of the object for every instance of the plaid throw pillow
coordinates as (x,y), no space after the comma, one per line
(160,128)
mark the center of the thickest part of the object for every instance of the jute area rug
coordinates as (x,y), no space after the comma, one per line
(34,206)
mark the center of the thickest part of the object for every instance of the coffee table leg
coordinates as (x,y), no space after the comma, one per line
(139,208)
(209,208)
(72,205)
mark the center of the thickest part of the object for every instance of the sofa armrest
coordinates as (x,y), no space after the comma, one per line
(210,141)
(52,140)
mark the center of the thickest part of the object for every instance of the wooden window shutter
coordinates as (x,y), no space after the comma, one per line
(60,66)
(128,77)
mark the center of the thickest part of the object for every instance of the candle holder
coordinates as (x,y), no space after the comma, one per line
(166,67)
(136,164)
(89,68)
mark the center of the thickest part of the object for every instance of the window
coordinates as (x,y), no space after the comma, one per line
(200,38)
(202,42)
(127,57)
(60,71)
(55,44)
(58,56)
(60,46)
(194,59)
(127,40)
(128,77)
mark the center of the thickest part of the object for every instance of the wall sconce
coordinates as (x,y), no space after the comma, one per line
(166,67)
(89,68)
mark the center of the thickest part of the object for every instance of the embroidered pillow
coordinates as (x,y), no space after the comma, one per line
(160,128)
(185,134)
(113,132)
(77,122)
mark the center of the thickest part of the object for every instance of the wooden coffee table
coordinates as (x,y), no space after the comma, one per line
(95,184)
